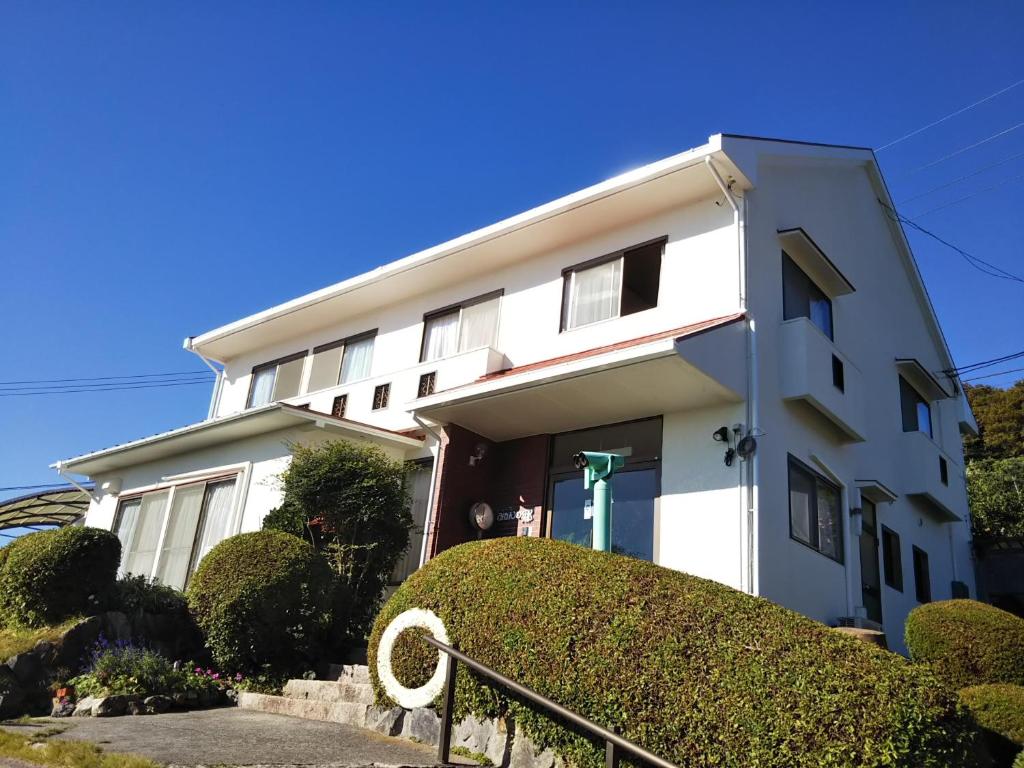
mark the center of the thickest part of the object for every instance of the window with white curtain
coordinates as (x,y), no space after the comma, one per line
(467,326)
(615,285)
(341,362)
(165,534)
(276,380)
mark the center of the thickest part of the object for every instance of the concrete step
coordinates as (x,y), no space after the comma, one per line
(349,673)
(344,712)
(329,691)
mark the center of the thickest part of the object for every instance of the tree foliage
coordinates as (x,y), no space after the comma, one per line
(350,502)
(996,490)
(1000,416)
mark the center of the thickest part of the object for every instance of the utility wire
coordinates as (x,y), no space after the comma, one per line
(107,389)
(993,375)
(32,487)
(1014,180)
(984,364)
(106,384)
(104,378)
(960,151)
(950,115)
(948,184)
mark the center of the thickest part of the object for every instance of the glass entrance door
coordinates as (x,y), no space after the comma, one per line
(633,495)
(870,577)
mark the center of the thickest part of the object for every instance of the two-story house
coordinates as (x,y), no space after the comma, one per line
(743,321)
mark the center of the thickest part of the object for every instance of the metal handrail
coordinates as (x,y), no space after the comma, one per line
(613,741)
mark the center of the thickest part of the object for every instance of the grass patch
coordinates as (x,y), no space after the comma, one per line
(17,640)
(478,757)
(35,748)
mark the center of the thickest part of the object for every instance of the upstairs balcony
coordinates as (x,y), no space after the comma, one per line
(929,473)
(815,371)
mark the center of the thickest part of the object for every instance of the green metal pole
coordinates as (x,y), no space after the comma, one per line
(602,516)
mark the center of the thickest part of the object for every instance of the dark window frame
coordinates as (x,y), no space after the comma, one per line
(794,462)
(271,364)
(356,337)
(838,374)
(427,384)
(908,389)
(892,571)
(342,400)
(598,261)
(922,586)
(381,392)
(456,307)
(789,261)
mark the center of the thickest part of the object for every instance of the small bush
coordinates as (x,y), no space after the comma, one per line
(137,594)
(967,643)
(999,710)
(263,600)
(692,670)
(50,576)
(1019,762)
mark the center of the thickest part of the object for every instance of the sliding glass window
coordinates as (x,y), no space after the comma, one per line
(341,362)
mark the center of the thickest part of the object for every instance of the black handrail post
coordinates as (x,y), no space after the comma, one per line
(611,753)
(445,743)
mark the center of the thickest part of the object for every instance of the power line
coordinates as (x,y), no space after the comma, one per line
(993,375)
(950,115)
(108,389)
(32,487)
(984,363)
(104,378)
(960,151)
(948,184)
(107,384)
(1014,180)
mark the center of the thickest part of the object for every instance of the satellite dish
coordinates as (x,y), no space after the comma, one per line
(481,516)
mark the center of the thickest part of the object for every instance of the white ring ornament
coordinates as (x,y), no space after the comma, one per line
(410,698)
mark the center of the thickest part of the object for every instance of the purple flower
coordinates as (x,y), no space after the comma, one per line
(238,677)
(199,670)
(216,676)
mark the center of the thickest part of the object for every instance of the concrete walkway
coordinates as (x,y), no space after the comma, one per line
(234,737)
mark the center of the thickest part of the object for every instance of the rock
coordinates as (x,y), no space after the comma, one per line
(26,667)
(204,698)
(422,725)
(232,696)
(116,626)
(135,707)
(524,753)
(62,708)
(180,699)
(110,706)
(84,707)
(157,704)
(12,694)
(75,645)
(384,720)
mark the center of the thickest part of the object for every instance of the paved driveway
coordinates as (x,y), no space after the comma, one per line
(235,737)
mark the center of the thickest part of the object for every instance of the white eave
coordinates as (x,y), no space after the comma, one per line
(205,434)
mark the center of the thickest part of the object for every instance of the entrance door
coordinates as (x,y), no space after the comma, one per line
(633,495)
(418,479)
(870,576)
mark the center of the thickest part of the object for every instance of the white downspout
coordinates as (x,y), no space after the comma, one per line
(218,372)
(428,519)
(749,491)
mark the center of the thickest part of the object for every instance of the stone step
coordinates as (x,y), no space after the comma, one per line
(329,691)
(349,673)
(343,712)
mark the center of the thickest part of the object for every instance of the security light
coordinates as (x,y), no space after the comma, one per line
(721,435)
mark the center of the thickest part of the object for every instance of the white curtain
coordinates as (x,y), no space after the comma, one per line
(441,336)
(181,535)
(358,358)
(595,294)
(142,550)
(262,386)
(128,518)
(479,325)
(216,517)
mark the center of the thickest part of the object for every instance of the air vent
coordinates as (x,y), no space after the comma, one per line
(427,383)
(381,395)
(338,406)
(838,374)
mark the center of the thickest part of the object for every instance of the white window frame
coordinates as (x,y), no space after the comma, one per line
(570,302)
(498,295)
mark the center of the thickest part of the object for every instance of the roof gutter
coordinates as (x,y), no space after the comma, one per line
(218,372)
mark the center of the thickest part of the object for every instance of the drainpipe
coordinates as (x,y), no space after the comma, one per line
(429,517)
(749,490)
(218,372)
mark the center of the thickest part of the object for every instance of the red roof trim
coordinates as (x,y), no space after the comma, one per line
(346,422)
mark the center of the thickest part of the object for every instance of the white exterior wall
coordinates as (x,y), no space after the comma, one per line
(881,321)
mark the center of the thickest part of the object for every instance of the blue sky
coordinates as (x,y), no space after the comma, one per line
(168,167)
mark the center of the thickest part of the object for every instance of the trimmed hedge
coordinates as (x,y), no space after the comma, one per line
(1019,762)
(263,600)
(49,576)
(967,642)
(999,710)
(688,668)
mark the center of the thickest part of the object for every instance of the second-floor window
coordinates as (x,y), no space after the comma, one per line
(463,327)
(276,380)
(917,413)
(801,297)
(615,285)
(342,361)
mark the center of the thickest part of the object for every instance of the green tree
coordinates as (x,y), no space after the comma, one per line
(996,491)
(350,502)
(1000,415)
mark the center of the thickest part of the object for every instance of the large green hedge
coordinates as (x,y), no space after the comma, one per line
(967,642)
(999,709)
(263,600)
(690,669)
(49,576)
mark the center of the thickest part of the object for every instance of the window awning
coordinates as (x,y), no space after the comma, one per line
(238,426)
(57,506)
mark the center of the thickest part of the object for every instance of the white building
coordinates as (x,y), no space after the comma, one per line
(745,288)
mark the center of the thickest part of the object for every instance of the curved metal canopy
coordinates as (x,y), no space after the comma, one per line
(56,506)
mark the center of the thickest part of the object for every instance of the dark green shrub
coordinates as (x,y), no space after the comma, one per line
(967,642)
(263,600)
(50,576)
(999,710)
(349,500)
(137,594)
(690,669)
(1019,762)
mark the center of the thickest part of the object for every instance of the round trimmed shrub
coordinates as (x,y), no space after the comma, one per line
(967,642)
(263,601)
(999,710)
(49,576)
(692,670)
(1019,762)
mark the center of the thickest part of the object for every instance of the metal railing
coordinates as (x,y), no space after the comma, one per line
(615,744)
